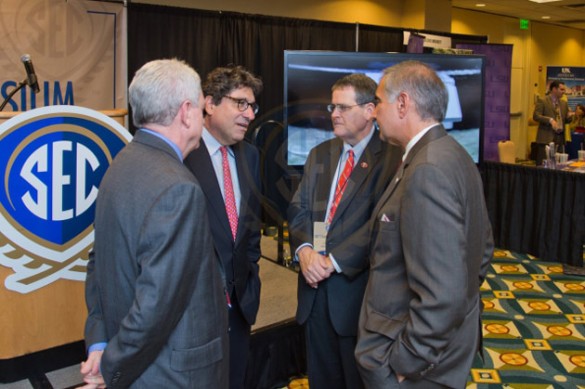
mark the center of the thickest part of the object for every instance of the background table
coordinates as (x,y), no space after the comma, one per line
(536,211)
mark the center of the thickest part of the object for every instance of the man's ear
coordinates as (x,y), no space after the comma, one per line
(370,109)
(402,104)
(184,113)
(208,105)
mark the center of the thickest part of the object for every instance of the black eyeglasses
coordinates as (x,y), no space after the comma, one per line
(243,104)
(344,108)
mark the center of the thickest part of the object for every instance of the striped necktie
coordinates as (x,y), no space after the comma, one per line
(341,184)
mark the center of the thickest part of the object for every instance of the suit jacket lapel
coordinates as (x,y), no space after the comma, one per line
(361,170)
(324,179)
(389,190)
(434,133)
(242,165)
(206,176)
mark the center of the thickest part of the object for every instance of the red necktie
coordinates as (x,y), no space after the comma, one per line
(341,184)
(230,199)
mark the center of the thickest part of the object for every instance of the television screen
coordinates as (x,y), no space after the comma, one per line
(309,75)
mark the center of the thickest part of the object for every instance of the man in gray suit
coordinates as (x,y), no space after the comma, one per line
(420,323)
(552,113)
(333,276)
(154,290)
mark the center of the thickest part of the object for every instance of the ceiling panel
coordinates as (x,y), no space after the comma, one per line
(568,13)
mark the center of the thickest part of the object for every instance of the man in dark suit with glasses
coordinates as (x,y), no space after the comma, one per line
(228,170)
(328,222)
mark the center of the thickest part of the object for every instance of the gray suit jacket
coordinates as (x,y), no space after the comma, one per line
(348,234)
(154,290)
(543,112)
(431,247)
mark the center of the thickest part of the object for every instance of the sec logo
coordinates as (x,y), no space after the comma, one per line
(52,161)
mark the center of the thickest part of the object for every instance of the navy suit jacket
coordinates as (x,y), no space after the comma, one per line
(239,258)
(348,235)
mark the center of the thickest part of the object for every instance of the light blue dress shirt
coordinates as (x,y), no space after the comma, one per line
(169,142)
(358,150)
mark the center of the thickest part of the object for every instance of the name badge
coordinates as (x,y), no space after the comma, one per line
(319,236)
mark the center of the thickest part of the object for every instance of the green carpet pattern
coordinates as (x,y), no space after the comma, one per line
(533,326)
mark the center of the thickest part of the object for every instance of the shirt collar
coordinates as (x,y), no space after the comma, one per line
(359,148)
(415,140)
(166,140)
(213,144)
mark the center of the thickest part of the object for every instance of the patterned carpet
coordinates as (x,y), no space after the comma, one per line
(533,327)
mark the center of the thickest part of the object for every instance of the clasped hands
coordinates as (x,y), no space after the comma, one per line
(90,370)
(315,266)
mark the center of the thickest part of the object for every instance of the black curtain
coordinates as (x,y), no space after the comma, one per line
(536,211)
(207,39)
(375,39)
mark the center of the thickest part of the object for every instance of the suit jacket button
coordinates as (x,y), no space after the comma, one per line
(427,369)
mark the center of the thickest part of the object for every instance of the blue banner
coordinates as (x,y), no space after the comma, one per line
(574,79)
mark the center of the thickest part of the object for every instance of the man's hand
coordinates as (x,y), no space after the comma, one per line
(555,125)
(90,370)
(315,267)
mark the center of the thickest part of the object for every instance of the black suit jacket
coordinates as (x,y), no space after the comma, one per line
(239,258)
(348,234)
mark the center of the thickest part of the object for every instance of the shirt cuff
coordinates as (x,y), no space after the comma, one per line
(97,347)
(296,258)
(334,262)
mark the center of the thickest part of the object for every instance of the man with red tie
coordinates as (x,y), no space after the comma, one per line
(228,172)
(328,223)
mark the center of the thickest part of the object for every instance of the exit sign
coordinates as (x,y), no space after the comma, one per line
(524,23)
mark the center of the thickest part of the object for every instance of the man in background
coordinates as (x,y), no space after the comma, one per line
(342,181)
(155,296)
(228,170)
(420,323)
(552,113)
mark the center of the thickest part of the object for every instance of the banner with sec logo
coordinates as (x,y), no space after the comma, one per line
(52,161)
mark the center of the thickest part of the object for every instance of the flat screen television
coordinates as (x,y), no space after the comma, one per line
(309,75)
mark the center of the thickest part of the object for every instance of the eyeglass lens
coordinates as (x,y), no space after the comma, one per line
(243,104)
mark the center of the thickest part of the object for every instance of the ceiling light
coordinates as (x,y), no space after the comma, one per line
(546,17)
(543,1)
(480,5)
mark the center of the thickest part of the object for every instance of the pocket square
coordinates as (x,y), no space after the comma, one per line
(384,218)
